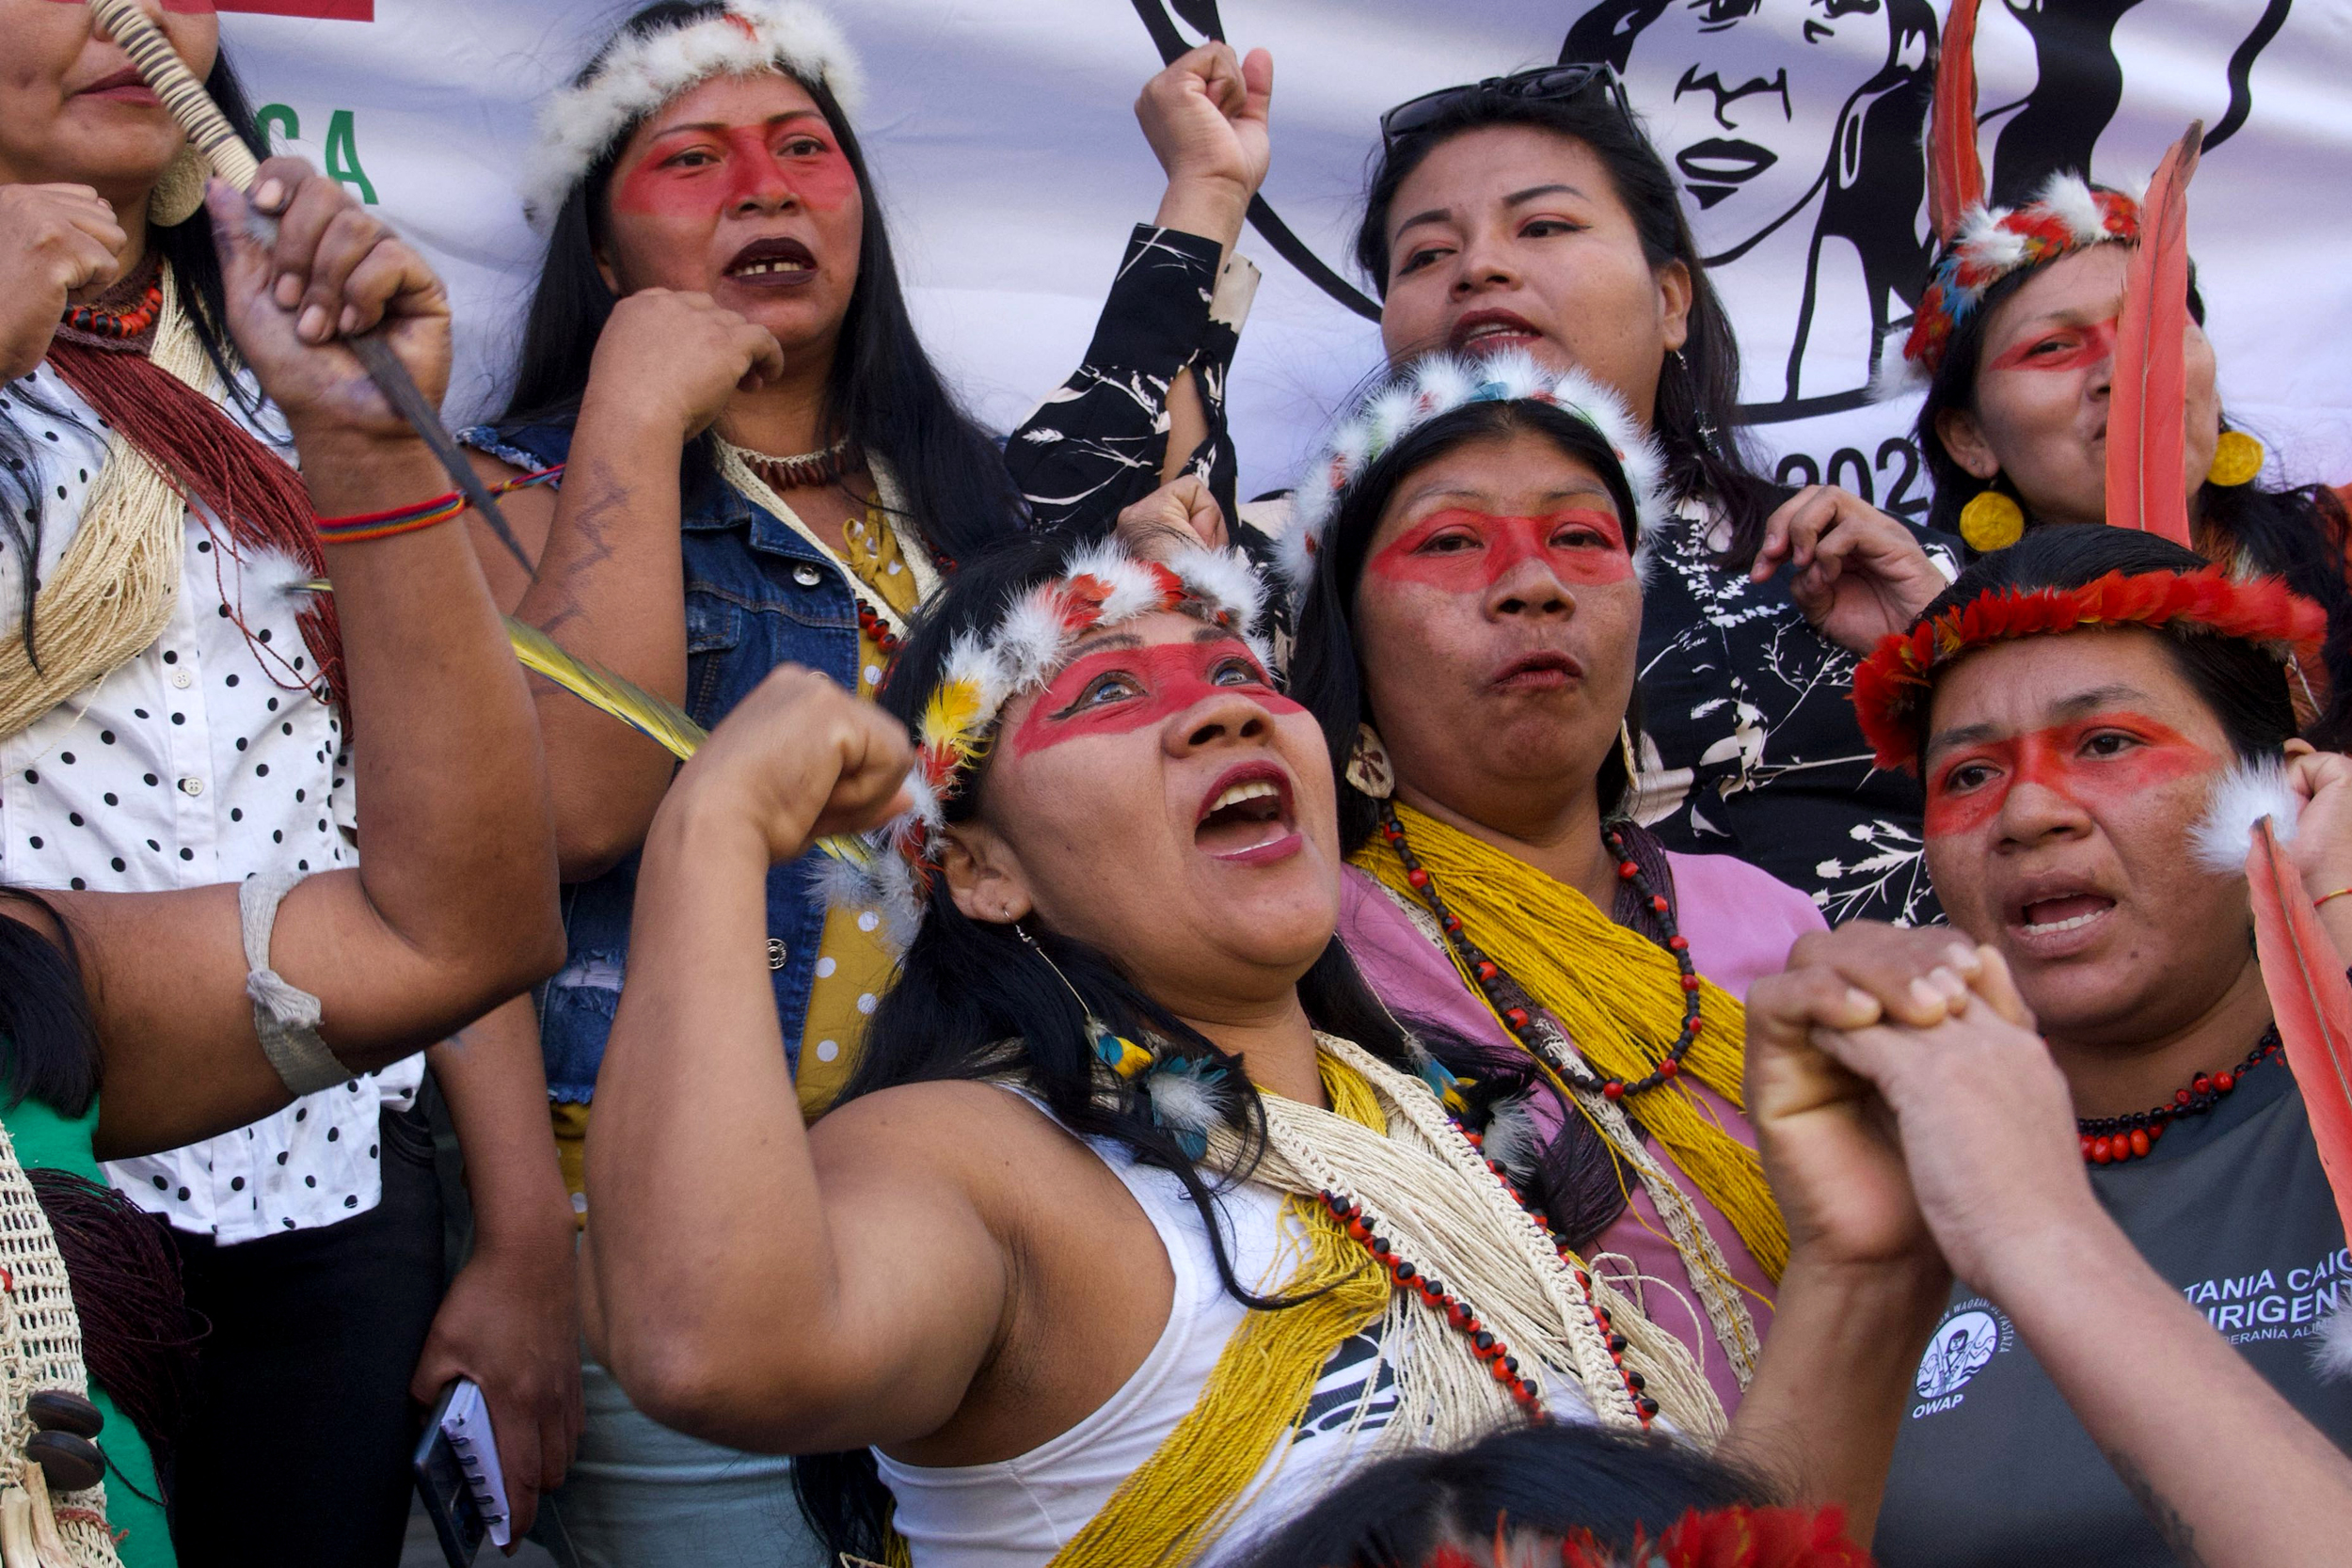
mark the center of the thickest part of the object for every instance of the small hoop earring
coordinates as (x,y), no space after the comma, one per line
(1369,768)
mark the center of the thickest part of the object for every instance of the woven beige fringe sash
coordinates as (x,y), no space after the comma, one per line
(40,1347)
(112,593)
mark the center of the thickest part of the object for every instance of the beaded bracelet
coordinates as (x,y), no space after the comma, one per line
(383,525)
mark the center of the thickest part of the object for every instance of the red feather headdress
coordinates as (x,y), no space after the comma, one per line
(1737,1537)
(2148,401)
(1890,685)
(1980,243)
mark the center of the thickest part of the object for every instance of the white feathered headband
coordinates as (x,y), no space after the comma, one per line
(1438,384)
(637,74)
(1100,585)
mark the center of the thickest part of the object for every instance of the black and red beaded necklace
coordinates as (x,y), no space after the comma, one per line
(1502,992)
(2109,1140)
(119,326)
(1504,1367)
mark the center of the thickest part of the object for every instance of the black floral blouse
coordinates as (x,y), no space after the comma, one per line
(1749,742)
(1098,444)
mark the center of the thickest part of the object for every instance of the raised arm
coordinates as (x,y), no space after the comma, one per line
(748,1281)
(611,582)
(453,908)
(1146,404)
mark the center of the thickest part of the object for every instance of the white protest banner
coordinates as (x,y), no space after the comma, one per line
(1003,140)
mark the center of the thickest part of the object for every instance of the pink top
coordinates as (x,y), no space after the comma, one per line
(1741,922)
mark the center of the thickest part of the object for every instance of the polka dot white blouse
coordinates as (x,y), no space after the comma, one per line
(207,758)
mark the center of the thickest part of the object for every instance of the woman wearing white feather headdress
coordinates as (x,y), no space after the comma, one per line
(1141,1219)
(2083,708)
(1468,560)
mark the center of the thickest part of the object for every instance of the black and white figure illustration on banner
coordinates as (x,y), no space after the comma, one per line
(2074,56)
(1795,128)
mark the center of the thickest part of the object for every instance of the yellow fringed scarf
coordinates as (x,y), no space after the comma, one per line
(1180,1497)
(1616,994)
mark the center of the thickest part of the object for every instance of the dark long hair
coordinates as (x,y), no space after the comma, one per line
(48,1039)
(884,394)
(2297,533)
(1324,674)
(1542,1481)
(2243,683)
(1698,389)
(974,1001)
(187,248)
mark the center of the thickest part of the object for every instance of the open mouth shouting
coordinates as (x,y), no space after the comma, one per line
(1247,817)
(775,263)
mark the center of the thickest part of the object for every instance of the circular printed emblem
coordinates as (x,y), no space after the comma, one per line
(1963,1344)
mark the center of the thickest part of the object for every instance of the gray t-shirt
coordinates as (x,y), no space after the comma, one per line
(2231,1207)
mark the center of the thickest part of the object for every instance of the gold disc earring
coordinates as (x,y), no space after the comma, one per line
(1992,521)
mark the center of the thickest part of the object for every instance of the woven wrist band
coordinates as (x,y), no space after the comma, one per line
(383,525)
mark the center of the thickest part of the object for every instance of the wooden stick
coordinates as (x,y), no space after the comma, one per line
(209,129)
(182,93)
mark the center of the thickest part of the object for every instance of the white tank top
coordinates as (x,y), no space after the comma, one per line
(1018,1512)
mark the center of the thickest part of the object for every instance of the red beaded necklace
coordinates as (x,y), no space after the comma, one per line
(1407,1276)
(1493,981)
(121,325)
(2110,1140)
(803,472)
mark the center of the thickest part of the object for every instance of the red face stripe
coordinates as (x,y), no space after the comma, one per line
(206,8)
(2063,348)
(2105,758)
(1115,691)
(1466,551)
(699,173)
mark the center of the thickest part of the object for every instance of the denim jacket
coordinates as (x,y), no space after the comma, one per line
(757,596)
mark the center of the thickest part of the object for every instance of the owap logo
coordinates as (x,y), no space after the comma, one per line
(1964,1344)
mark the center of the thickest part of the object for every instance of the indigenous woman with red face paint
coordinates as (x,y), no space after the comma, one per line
(1468,560)
(2015,341)
(759,466)
(174,708)
(2084,708)
(1141,1220)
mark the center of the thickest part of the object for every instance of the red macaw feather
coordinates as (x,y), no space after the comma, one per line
(2145,488)
(1955,169)
(2309,1001)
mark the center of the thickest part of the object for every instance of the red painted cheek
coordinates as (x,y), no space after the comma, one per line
(2084,345)
(2054,759)
(1502,545)
(1173,677)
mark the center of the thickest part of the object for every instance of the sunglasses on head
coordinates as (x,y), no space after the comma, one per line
(1544,83)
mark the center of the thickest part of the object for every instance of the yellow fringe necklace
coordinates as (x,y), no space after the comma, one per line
(1385,1137)
(1617,995)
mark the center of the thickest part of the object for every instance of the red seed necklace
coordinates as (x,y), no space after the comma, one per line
(2109,1140)
(1492,980)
